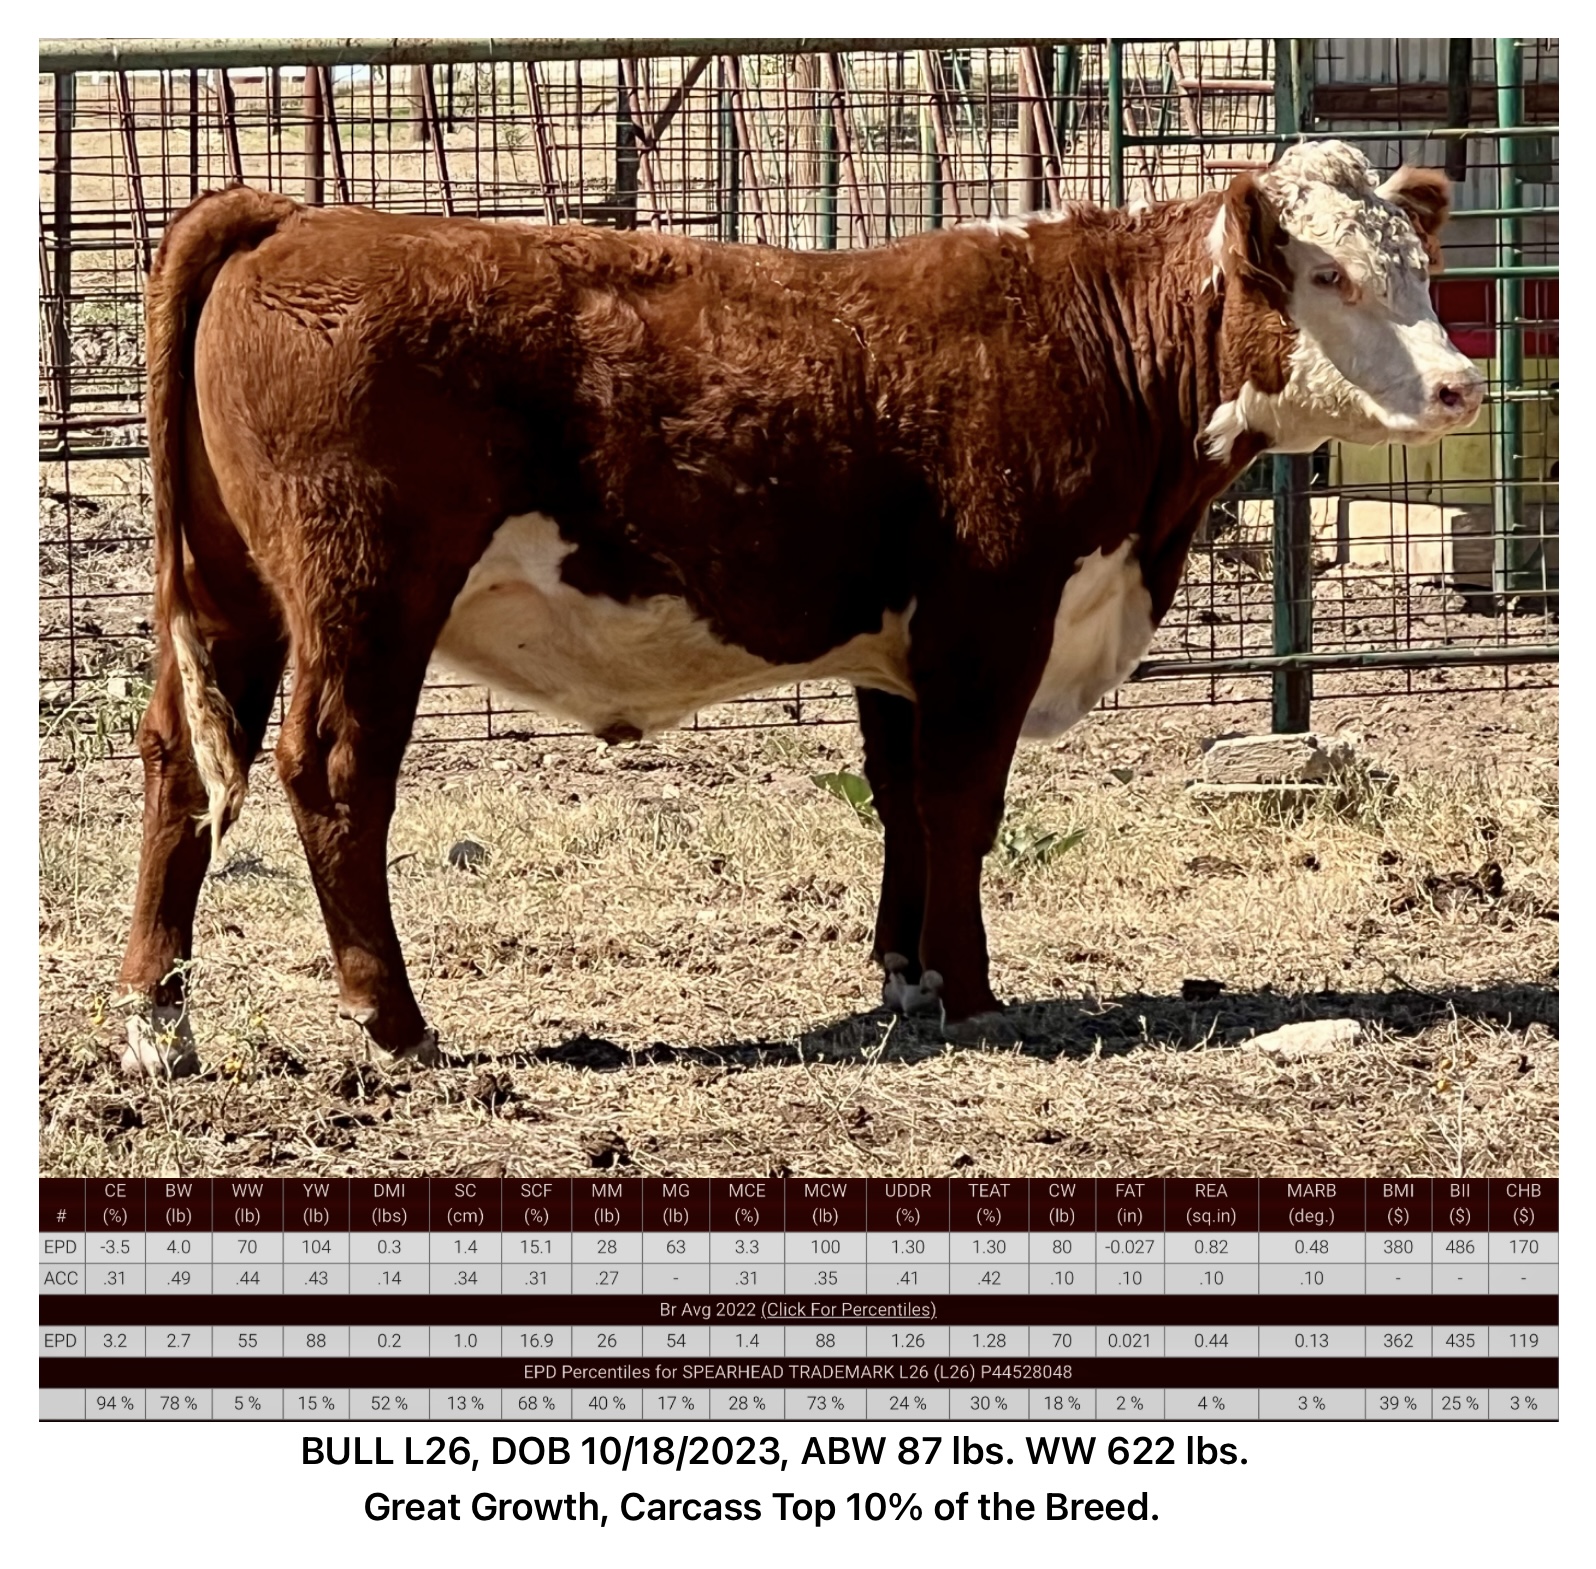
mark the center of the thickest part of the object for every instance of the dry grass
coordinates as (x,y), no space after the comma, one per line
(662,967)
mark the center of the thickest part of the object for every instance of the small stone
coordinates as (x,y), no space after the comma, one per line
(1311,1038)
(1265,759)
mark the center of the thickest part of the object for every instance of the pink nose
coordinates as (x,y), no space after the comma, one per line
(1461,396)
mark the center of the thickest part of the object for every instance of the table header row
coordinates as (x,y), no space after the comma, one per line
(797,1204)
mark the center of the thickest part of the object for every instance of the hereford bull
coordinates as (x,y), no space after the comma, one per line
(625,475)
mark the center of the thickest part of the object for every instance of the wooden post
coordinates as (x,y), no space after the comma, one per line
(420,121)
(1030,151)
(946,192)
(315,181)
(806,155)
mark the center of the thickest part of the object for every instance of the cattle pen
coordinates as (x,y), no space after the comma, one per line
(653,956)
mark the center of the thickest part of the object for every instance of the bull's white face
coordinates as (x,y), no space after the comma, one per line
(1370,361)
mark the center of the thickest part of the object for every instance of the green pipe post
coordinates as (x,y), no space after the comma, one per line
(626,155)
(1116,122)
(1291,703)
(828,176)
(730,166)
(1067,76)
(60,315)
(1507,491)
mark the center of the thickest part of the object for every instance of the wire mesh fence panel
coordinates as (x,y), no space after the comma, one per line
(1433,552)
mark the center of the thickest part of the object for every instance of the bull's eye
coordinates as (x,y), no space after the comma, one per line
(1328,278)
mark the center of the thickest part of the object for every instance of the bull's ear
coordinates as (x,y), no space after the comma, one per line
(1425,196)
(1248,242)
(1253,248)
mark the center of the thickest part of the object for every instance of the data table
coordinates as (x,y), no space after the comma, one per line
(609,1298)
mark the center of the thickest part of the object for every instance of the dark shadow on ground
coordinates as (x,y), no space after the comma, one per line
(1073,1028)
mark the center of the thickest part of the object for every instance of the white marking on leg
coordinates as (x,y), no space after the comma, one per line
(1103,626)
(160,1042)
(908,997)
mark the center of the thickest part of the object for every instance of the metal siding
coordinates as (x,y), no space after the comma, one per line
(1387,60)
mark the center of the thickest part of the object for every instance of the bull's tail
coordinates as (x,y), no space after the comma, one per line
(199,240)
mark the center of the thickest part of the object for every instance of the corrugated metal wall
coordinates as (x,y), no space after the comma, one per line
(1391,60)
(1394,61)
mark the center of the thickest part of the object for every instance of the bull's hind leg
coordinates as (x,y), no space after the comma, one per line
(176,847)
(887,724)
(357,678)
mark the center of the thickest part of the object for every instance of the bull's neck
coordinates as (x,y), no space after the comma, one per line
(1134,298)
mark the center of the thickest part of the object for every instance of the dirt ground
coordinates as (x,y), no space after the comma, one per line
(661,967)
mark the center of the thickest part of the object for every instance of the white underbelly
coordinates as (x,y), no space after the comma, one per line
(1102,629)
(616,668)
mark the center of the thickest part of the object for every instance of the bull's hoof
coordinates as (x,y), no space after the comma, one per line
(907,997)
(160,1043)
(425,1053)
(982,1029)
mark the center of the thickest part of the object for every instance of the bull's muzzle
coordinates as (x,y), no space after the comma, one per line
(1456,396)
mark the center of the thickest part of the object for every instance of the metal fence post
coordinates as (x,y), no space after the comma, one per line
(626,154)
(1116,122)
(1292,548)
(66,95)
(730,169)
(1507,493)
(828,175)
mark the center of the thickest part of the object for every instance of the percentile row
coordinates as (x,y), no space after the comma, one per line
(833,1312)
(1200,1403)
(926,1205)
(748,1372)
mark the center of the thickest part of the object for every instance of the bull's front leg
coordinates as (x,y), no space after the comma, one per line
(972,703)
(887,724)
